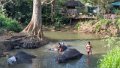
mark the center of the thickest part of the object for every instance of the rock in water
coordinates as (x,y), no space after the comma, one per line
(69,54)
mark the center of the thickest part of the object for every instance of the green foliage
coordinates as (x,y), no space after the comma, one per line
(111,59)
(9,24)
(118,23)
(21,10)
(58,18)
(112,41)
(101,22)
(60,3)
(46,18)
(59,21)
(77,26)
(117,11)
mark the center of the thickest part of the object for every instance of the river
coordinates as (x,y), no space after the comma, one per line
(76,40)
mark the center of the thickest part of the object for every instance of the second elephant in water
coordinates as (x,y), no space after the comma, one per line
(20,57)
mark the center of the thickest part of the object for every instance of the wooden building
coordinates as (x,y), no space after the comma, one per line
(70,8)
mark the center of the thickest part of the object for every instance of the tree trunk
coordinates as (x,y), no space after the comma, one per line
(52,11)
(35,25)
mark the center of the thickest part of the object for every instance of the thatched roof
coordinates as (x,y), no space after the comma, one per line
(73,3)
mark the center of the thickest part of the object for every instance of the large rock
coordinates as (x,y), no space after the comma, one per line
(69,54)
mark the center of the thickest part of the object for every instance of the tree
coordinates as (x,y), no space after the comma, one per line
(35,25)
(52,10)
(12,8)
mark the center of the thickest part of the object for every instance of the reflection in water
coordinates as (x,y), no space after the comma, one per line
(47,58)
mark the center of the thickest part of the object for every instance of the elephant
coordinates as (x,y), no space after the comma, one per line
(67,55)
(21,57)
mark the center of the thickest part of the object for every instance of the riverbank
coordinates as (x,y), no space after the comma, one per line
(100,27)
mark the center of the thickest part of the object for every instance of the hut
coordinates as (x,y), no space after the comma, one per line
(71,10)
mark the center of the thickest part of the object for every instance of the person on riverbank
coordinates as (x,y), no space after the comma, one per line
(89,48)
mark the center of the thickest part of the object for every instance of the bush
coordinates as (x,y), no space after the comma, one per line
(118,23)
(20,10)
(60,20)
(77,26)
(9,24)
(111,60)
(100,23)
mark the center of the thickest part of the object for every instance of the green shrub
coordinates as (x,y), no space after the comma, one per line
(60,20)
(20,10)
(117,11)
(77,26)
(9,24)
(112,41)
(100,23)
(111,59)
(118,23)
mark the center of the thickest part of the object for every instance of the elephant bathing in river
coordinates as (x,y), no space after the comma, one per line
(20,57)
(67,55)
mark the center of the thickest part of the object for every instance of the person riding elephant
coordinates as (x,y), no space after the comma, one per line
(62,47)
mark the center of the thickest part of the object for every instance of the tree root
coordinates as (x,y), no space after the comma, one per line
(27,42)
(34,30)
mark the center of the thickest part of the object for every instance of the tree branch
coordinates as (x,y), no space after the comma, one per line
(44,2)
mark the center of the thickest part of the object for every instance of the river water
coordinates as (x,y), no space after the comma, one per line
(47,58)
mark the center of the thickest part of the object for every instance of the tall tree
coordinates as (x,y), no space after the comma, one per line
(35,25)
(52,10)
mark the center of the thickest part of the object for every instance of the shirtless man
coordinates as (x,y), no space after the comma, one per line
(89,48)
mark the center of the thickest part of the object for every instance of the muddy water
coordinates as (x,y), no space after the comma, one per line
(77,41)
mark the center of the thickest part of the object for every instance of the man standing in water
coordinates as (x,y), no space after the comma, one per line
(89,48)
